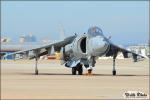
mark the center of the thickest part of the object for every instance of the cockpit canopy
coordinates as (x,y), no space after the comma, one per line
(94,31)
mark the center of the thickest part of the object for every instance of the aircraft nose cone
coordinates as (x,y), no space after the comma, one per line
(99,46)
(98,43)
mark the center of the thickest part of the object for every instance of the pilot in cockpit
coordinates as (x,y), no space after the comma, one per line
(94,31)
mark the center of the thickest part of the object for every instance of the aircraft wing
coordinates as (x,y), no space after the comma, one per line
(114,49)
(42,50)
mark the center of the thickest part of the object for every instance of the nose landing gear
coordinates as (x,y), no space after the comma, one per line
(78,69)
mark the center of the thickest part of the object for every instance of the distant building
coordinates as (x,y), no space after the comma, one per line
(5,40)
(140,49)
(22,39)
(46,41)
(27,38)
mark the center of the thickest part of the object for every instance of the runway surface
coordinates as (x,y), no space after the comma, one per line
(56,82)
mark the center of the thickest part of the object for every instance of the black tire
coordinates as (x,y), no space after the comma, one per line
(80,70)
(74,70)
(114,72)
(36,72)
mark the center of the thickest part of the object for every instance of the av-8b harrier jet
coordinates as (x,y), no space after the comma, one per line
(80,50)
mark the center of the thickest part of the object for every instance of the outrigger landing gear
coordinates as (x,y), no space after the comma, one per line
(78,68)
(36,69)
(114,69)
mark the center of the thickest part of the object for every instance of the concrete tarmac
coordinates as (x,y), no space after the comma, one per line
(56,82)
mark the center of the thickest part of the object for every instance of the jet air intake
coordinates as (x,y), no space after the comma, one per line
(83,44)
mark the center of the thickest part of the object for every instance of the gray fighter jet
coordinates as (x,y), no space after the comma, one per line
(80,50)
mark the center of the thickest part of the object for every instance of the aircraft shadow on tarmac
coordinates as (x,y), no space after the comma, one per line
(63,74)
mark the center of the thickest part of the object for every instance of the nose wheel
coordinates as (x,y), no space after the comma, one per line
(78,69)
(74,70)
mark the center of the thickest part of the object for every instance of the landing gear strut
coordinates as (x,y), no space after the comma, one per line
(36,69)
(78,68)
(114,69)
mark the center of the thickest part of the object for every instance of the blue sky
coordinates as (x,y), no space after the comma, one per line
(127,22)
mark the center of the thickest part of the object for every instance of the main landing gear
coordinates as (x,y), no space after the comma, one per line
(78,69)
